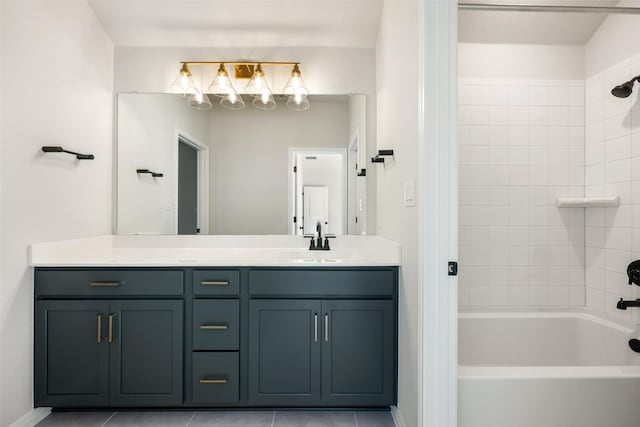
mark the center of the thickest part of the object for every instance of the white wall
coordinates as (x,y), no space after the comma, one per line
(612,168)
(325,70)
(250,161)
(616,40)
(521,147)
(397,94)
(147,129)
(57,69)
(520,61)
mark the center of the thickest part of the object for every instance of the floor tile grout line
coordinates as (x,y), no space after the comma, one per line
(109,419)
(273,419)
(191,419)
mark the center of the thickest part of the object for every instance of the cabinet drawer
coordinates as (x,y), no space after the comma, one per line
(308,282)
(216,324)
(108,282)
(216,282)
(215,377)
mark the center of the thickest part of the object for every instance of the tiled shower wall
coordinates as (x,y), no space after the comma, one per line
(521,146)
(612,161)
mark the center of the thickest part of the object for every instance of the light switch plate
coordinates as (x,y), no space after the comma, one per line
(409,193)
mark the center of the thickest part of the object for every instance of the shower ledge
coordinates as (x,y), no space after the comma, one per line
(588,202)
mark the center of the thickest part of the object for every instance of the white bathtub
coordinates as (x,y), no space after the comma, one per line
(546,369)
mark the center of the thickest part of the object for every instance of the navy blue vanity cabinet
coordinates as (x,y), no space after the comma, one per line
(322,337)
(102,339)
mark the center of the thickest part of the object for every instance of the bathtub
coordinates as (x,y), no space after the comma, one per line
(546,369)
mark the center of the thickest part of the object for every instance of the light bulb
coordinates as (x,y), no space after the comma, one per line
(265,96)
(233,97)
(298,97)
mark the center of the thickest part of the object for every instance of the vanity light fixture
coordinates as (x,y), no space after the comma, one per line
(184,85)
(257,87)
(200,101)
(221,85)
(233,101)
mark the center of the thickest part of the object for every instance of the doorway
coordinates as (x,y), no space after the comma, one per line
(192,186)
(318,191)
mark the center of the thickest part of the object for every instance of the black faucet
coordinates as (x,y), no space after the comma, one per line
(623,304)
(316,244)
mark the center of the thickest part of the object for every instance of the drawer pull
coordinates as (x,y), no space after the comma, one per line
(224,380)
(214,283)
(105,284)
(214,327)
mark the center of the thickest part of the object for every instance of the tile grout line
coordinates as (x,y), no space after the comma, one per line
(191,419)
(273,419)
(109,419)
(355,418)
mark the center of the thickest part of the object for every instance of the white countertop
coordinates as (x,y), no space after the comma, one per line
(214,251)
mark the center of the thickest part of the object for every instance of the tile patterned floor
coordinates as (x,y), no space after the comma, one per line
(219,419)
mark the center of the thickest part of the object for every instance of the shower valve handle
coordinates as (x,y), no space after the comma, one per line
(633,272)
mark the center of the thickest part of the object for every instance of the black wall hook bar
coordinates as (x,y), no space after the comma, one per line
(362,172)
(379,157)
(52,149)
(153,174)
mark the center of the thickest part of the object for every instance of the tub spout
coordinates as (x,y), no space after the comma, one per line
(623,304)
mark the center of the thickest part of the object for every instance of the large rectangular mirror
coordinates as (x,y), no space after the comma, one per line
(188,171)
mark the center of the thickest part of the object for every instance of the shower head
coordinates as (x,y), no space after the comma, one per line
(625,89)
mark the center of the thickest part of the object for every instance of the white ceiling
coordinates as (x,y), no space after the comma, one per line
(531,27)
(239,23)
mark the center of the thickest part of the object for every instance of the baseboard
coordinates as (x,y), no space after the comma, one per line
(31,418)
(397,417)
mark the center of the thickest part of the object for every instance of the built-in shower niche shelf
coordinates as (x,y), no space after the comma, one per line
(588,202)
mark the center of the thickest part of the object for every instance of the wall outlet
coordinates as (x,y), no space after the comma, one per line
(409,193)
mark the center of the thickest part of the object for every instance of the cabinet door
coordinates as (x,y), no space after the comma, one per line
(146,353)
(284,352)
(358,347)
(71,353)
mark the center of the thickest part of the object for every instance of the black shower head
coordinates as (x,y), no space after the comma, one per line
(625,89)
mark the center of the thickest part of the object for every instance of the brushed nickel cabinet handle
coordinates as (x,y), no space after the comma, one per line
(315,327)
(99,328)
(111,328)
(224,380)
(215,327)
(326,327)
(105,284)
(214,283)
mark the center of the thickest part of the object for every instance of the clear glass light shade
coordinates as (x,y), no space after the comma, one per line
(221,85)
(258,84)
(264,101)
(295,85)
(184,85)
(298,103)
(199,101)
(233,101)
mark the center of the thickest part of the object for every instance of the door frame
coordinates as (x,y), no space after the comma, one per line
(293,151)
(438,212)
(203,178)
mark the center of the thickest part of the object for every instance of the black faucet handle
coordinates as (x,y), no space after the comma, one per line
(326,244)
(312,245)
